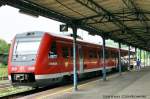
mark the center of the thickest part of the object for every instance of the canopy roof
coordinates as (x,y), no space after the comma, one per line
(125,21)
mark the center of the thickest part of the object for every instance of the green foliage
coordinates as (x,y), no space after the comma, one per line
(2,65)
(4,47)
(3,72)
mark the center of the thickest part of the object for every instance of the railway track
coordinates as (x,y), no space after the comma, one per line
(30,91)
(33,90)
(4,84)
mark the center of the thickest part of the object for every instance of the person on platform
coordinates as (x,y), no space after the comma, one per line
(138,64)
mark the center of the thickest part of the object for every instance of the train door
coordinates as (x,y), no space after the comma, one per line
(80,50)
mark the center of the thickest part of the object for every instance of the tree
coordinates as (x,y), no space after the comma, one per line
(4,47)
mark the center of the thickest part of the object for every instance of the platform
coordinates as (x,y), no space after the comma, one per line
(130,85)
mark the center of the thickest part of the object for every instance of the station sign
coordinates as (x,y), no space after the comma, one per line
(63,28)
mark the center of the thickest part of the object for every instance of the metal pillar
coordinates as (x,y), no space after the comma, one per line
(119,58)
(104,67)
(74,28)
(135,53)
(144,58)
(140,54)
(140,57)
(129,57)
(148,58)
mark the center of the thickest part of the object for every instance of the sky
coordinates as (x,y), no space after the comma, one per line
(12,22)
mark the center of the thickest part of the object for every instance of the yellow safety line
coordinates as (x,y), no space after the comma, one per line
(66,90)
(69,89)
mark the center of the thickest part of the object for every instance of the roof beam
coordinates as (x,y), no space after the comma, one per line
(92,5)
(107,21)
(37,9)
(30,6)
(138,12)
(133,28)
(99,10)
(118,14)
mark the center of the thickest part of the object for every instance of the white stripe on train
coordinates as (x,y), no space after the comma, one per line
(46,76)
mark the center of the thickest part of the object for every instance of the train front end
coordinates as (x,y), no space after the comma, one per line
(22,58)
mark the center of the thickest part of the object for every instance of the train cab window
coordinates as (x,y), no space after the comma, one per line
(65,52)
(53,51)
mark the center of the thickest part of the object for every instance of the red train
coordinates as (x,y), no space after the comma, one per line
(41,58)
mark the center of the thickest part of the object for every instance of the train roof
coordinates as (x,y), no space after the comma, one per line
(41,33)
(80,40)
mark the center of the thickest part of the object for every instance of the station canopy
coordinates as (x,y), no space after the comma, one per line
(125,21)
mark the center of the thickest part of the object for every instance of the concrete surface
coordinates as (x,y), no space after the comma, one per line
(129,85)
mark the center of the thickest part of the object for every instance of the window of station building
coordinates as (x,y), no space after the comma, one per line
(53,51)
(65,52)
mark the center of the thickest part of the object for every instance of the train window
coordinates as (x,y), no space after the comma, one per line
(71,52)
(100,54)
(92,54)
(65,52)
(26,47)
(107,54)
(113,55)
(53,51)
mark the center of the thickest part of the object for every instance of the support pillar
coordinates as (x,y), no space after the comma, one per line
(74,28)
(104,66)
(119,58)
(140,57)
(148,58)
(129,57)
(144,59)
(135,53)
(136,56)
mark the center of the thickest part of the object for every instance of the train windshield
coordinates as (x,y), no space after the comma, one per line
(25,47)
